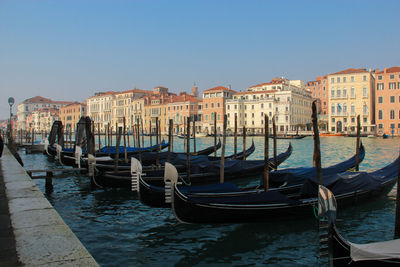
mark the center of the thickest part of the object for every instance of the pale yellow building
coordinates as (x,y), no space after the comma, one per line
(351,93)
(124,106)
(100,108)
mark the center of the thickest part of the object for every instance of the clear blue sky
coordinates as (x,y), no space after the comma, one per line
(68,50)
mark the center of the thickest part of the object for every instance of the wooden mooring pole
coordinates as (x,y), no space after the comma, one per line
(188,150)
(244,142)
(274,132)
(358,144)
(222,168)
(235,138)
(266,150)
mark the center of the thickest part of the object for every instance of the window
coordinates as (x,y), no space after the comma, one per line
(344,108)
(206,106)
(365,92)
(333,120)
(338,79)
(228,107)
(252,115)
(219,117)
(345,120)
(352,92)
(206,117)
(333,109)
(252,106)
(339,93)
(379,77)
(345,93)
(380,99)
(365,110)
(262,105)
(344,79)
(364,78)
(333,93)
(332,80)
(380,126)
(392,114)
(392,126)
(365,120)
(212,105)
(380,86)
(352,78)
(353,120)
(380,115)
(392,99)
(392,86)
(392,76)
(353,109)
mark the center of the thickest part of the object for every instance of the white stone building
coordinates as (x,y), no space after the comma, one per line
(287,100)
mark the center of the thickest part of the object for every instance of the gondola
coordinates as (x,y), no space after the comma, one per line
(202,171)
(149,158)
(153,189)
(342,252)
(291,179)
(233,205)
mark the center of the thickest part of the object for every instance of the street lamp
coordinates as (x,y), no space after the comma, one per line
(11,103)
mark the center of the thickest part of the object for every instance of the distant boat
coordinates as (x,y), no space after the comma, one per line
(384,136)
(332,134)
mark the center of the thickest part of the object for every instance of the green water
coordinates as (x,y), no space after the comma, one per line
(119,231)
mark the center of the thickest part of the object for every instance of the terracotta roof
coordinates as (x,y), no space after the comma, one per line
(255,92)
(184,98)
(390,70)
(219,88)
(274,81)
(349,71)
(37,99)
(134,91)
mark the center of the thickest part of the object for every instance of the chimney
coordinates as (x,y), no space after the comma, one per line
(229,86)
(384,70)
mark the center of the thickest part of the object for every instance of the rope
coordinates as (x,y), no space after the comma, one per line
(183,180)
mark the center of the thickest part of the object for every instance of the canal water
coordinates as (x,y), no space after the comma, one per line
(119,231)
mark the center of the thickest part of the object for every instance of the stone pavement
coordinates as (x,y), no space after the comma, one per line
(8,253)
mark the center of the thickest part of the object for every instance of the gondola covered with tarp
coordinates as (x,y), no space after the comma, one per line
(342,252)
(232,205)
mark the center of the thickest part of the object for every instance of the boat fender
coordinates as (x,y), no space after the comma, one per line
(46,146)
(170,179)
(59,149)
(136,172)
(91,165)
(78,154)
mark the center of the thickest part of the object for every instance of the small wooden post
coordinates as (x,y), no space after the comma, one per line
(266,150)
(128,133)
(169,140)
(235,137)
(157,156)
(184,133)
(150,135)
(141,123)
(33,131)
(215,134)
(159,134)
(222,168)
(99,135)
(358,144)
(49,182)
(172,136)
(316,142)
(194,136)
(397,218)
(138,140)
(244,142)
(274,132)
(111,135)
(125,152)
(118,141)
(188,150)
(108,136)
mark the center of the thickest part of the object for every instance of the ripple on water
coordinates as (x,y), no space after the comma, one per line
(119,231)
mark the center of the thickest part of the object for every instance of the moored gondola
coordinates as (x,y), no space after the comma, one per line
(232,205)
(342,252)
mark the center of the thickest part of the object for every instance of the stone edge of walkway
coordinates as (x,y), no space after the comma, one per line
(42,237)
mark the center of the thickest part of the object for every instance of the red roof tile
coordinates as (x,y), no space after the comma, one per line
(349,71)
(390,70)
(219,88)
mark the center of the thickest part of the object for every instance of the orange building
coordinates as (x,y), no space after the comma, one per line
(214,103)
(319,90)
(387,89)
(71,114)
(182,106)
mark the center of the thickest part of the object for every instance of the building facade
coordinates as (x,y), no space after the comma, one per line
(388,101)
(70,115)
(100,109)
(351,93)
(213,107)
(33,104)
(319,90)
(286,101)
